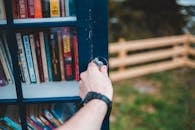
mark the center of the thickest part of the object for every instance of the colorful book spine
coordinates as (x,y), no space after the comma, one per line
(15,9)
(38,9)
(72,8)
(23,11)
(46,8)
(48,56)
(51,118)
(5,64)
(75,56)
(61,59)
(32,44)
(29,58)
(62,8)
(46,122)
(5,43)
(43,56)
(54,57)
(2,10)
(32,123)
(67,10)
(67,54)
(54,8)
(22,57)
(31,9)
(39,59)
(11,123)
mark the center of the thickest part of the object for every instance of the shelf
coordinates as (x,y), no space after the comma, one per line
(3,22)
(62,89)
(45,20)
(8,92)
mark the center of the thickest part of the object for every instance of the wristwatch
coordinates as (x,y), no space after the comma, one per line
(94,95)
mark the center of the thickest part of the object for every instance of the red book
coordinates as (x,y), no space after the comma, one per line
(38,9)
(23,12)
(31,9)
(39,59)
(75,56)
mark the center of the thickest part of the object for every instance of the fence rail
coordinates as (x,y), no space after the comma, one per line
(139,57)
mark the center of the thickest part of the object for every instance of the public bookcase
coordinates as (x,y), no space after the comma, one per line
(44,46)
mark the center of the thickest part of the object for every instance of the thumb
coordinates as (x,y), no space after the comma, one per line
(104,70)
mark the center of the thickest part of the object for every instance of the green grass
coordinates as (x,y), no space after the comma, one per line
(166,108)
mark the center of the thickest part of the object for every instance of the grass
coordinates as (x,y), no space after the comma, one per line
(158,101)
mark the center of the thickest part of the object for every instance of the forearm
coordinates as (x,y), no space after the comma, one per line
(89,117)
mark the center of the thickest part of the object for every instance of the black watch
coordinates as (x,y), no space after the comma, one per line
(95,95)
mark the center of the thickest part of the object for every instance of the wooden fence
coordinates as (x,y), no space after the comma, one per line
(139,57)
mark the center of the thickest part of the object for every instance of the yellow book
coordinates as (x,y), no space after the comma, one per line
(54,8)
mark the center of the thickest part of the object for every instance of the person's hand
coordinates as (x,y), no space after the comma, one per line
(96,80)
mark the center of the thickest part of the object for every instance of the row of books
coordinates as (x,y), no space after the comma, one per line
(49,116)
(48,55)
(2,10)
(9,118)
(43,8)
(6,68)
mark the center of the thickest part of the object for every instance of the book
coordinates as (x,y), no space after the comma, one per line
(29,60)
(22,57)
(11,123)
(51,118)
(2,10)
(32,44)
(5,63)
(4,125)
(15,9)
(74,42)
(62,8)
(46,8)
(61,59)
(7,51)
(43,56)
(72,8)
(63,111)
(48,56)
(2,77)
(55,56)
(31,9)
(67,54)
(38,9)
(23,11)
(54,8)
(38,55)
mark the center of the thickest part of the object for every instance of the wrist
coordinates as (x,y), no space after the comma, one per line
(100,98)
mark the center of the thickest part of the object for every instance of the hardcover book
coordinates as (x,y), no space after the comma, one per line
(38,9)
(67,54)
(31,9)
(32,44)
(29,58)
(46,8)
(43,56)
(39,59)
(23,11)
(54,8)
(55,56)
(22,57)
(2,10)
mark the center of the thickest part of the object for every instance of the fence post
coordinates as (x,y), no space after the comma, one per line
(122,54)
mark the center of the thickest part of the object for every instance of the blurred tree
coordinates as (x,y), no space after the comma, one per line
(133,19)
